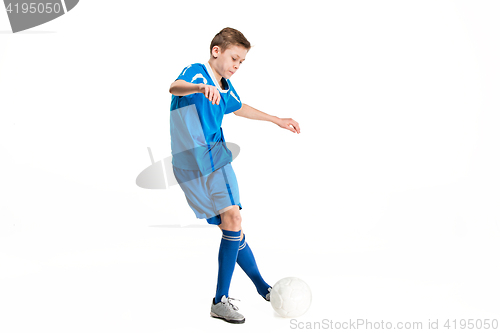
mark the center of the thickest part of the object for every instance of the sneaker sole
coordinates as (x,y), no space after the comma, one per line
(232,321)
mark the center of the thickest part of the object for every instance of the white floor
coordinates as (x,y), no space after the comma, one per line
(142,274)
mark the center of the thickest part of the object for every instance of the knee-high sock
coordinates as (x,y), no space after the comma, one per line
(246,260)
(228,251)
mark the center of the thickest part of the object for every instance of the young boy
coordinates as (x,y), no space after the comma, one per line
(202,95)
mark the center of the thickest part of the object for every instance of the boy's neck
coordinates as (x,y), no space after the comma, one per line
(217,76)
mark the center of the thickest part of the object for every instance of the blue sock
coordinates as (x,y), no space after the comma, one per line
(228,252)
(246,260)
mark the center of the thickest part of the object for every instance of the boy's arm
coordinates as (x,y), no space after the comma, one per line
(183,88)
(249,112)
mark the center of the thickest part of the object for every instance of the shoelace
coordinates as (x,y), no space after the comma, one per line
(235,308)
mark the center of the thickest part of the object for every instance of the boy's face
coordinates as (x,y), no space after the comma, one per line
(228,62)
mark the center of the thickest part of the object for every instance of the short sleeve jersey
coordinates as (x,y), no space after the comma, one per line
(197,139)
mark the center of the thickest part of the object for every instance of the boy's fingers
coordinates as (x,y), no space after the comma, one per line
(212,94)
(295,125)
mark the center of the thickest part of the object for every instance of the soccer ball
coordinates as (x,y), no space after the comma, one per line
(291,297)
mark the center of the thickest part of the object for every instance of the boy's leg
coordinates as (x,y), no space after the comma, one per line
(246,261)
(228,251)
(241,237)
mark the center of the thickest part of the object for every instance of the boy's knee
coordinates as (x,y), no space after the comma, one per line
(233,223)
(231,219)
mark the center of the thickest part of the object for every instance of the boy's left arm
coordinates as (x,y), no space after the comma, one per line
(249,112)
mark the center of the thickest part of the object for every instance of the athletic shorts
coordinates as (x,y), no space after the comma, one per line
(208,194)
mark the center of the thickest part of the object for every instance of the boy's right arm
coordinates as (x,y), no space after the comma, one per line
(183,88)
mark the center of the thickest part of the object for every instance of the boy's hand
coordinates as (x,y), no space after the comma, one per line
(211,93)
(287,122)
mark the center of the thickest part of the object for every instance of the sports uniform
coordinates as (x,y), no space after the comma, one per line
(200,158)
(201,163)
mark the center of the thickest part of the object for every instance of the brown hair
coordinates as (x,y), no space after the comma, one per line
(227,37)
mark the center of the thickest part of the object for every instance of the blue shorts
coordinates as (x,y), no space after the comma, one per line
(208,194)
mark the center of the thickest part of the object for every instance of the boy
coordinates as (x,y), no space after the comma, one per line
(202,95)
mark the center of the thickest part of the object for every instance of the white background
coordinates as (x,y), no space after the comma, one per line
(386,203)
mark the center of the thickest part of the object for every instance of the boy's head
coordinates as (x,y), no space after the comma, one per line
(227,51)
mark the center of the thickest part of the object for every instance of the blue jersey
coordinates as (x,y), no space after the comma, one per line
(197,139)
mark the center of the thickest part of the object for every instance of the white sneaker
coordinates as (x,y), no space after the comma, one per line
(227,311)
(268,295)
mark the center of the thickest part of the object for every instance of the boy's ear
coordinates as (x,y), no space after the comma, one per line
(216,50)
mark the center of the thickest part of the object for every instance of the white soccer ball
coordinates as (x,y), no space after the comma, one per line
(291,297)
